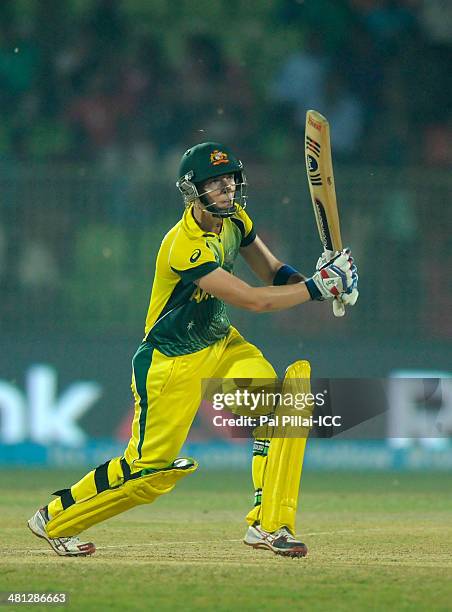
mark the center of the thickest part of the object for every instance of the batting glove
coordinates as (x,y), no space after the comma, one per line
(337,278)
(325,259)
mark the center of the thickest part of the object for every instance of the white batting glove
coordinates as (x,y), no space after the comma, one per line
(350,299)
(351,296)
(337,278)
(325,259)
(338,302)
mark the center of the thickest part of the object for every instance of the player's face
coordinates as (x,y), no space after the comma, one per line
(221,190)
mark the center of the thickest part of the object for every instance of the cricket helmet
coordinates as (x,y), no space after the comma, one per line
(206,161)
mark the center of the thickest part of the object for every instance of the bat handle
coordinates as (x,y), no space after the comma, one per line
(338,307)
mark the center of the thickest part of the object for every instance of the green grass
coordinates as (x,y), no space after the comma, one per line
(376,541)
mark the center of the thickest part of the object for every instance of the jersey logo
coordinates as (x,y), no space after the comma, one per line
(218,157)
(195,255)
(200,295)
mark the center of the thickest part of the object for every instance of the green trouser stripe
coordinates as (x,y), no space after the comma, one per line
(125,469)
(141,363)
(66,498)
(101,477)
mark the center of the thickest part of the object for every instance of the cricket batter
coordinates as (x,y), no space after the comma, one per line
(188,337)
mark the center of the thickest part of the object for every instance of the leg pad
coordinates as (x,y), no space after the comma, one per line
(281,471)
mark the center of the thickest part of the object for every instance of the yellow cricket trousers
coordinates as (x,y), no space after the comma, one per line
(167,393)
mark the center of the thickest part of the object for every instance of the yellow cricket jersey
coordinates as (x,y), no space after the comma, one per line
(182,318)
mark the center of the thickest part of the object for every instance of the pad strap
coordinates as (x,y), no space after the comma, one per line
(260,447)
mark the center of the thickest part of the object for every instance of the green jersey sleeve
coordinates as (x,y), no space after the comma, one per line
(246,227)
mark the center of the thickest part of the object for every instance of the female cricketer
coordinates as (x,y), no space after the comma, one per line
(188,338)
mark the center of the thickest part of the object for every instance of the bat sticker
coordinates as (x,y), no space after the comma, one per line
(323,225)
(312,163)
(315,177)
(313,146)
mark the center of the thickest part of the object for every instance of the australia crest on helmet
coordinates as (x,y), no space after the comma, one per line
(218,157)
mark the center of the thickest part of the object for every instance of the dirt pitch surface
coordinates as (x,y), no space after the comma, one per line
(376,541)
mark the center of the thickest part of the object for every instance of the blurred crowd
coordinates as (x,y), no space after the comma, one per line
(105,86)
(88,85)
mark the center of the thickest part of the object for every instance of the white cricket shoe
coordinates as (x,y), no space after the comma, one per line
(66,547)
(281,541)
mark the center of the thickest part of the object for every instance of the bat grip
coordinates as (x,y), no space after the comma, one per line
(338,307)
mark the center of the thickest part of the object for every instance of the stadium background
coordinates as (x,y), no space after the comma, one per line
(99,99)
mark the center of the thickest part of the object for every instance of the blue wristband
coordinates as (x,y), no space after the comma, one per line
(314,291)
(283,274)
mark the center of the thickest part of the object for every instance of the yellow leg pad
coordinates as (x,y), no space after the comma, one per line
(284,462)
(143,489)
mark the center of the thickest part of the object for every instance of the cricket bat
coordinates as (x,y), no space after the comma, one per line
(319,167)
